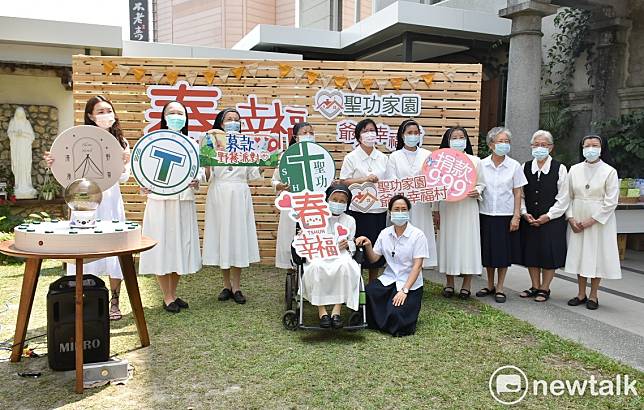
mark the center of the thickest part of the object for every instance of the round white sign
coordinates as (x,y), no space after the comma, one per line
(87,151)
(165,162)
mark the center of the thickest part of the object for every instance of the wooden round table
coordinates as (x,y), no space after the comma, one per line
(30,281)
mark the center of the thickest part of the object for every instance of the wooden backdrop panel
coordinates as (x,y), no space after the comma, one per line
(452,98)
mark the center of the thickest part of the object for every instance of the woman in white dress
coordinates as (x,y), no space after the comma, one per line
(334,281)
(230,235)
(592,237)
(172,221)
(407,161)
(366,164)
(99,112)
(459,238)
(302,131)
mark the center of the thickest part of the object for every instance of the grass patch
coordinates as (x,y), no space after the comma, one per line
(217,355)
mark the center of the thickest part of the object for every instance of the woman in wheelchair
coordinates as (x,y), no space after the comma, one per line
(334,281)
(393,301)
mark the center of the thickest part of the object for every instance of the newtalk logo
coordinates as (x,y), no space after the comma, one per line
(509,385)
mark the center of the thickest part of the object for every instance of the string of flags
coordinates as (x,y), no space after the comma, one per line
(171,75)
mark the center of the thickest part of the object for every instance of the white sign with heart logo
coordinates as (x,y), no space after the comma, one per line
(329,103)
(365,197)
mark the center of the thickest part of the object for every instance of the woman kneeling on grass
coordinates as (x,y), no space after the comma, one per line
(393,301)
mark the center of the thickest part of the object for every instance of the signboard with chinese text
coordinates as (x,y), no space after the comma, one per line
(452,169)
(240,150)
(307,166)
(139,20)
(370,195)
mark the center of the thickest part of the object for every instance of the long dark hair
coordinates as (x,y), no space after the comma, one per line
(448,134)
(296,130)
(400,141)
(360,126)
(605,154)
(115,129)
(164,124)
(219,119)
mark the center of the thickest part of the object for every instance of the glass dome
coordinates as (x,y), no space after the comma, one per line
(83,195)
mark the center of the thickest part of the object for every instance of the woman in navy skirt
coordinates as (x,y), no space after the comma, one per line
(500,212)
(543,228)
(394,299)
(366,164)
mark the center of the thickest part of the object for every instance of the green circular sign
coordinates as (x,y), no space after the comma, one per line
(307,166)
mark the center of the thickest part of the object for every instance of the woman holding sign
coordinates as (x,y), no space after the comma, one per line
(500,212)
(172,221)
(407,161)
(459,240)
(230,235)
(302,131)
(365,164)
(99,112)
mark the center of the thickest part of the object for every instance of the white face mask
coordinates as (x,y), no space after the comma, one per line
(411,140)
(369,138)
(306,138)
(105,121)
(458,144)
(592,153)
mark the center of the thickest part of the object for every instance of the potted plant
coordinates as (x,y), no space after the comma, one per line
(49,188)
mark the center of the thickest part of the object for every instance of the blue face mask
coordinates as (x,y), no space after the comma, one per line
(592,153)
(175,121)
(458,145)
(399,218)
(540,153)
(232,126)
(411,140)
(306,138)
(337,208)
(501,148)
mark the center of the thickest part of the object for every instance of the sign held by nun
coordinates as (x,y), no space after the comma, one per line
(235,149)
(452,169)
(307,166)
(165,162)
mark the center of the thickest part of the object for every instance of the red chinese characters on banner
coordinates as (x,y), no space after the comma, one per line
(269,118)
(311,211)
(385,135)
(416,189)
(452,169)
(200,102)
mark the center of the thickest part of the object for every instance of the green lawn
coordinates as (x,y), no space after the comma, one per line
(222,355)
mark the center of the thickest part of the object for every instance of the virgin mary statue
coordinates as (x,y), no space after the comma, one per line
(21,136)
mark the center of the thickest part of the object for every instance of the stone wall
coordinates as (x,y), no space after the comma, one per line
(44,121)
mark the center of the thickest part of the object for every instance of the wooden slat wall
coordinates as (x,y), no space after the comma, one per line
(452,99)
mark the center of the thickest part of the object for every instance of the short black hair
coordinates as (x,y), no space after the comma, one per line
(219,119)
(164,123)
(296,130)
(400,141)
(605,154)
(397,197)
(360,126)
(448,134)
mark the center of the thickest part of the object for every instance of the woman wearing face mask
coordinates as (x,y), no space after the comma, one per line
(592,237)
(172,221)
(407,161)
(99,112)
(302,131)
(543,228)
(366,164)
(393,300)
(500,212)
(334,281)
(230,235)
(459,240)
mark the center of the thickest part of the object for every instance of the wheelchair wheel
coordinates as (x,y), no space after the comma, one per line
(288,292)
(356,317)
(289,319)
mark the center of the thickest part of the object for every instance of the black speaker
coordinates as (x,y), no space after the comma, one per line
(61,311)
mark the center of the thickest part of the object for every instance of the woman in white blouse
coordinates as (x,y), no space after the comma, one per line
(500,212)
(592,237)
(172,221)
(230,234)
(366,164)
(407,161)
(459,239)
(543,228)
(394,298)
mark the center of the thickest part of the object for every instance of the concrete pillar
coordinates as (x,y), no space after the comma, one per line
(609,70)
(524,72)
